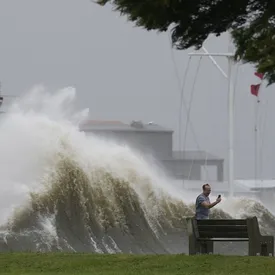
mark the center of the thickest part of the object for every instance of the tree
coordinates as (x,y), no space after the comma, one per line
(251,23)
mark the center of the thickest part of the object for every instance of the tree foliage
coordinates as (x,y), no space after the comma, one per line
(251,23)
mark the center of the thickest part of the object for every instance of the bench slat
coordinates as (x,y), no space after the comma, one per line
(216,234)
(222,222)
(223,228)
(224,239)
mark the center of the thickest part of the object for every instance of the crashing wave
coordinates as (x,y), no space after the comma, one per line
(69,192)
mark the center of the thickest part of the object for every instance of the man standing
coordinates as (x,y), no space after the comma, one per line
(203,203)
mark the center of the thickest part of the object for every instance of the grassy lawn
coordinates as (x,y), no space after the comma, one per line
(60,263)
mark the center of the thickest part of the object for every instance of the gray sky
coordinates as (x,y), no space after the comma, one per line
(125,73)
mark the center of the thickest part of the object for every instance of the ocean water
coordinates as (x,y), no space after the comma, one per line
(64,191)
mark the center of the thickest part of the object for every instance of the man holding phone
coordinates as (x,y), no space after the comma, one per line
(203,204)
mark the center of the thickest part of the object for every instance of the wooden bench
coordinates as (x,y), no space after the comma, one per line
(203,234)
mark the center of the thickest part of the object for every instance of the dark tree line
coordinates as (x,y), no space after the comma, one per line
(251,23)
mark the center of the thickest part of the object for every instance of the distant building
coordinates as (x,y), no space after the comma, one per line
(265,189)
(151,138)
(189,164)
(156,140)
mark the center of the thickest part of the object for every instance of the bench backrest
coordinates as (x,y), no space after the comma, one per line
(233,229)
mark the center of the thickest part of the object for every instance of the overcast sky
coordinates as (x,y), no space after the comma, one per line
(122,72)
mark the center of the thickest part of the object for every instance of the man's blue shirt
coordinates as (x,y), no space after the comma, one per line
(202,213)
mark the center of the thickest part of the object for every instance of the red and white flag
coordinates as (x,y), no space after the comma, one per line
(260,75)
(255,88)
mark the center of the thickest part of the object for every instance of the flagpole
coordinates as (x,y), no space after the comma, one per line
(231,128)
(256,133)
(256,143)
(229,57)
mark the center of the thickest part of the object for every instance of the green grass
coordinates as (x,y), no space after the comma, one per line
(60,263)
